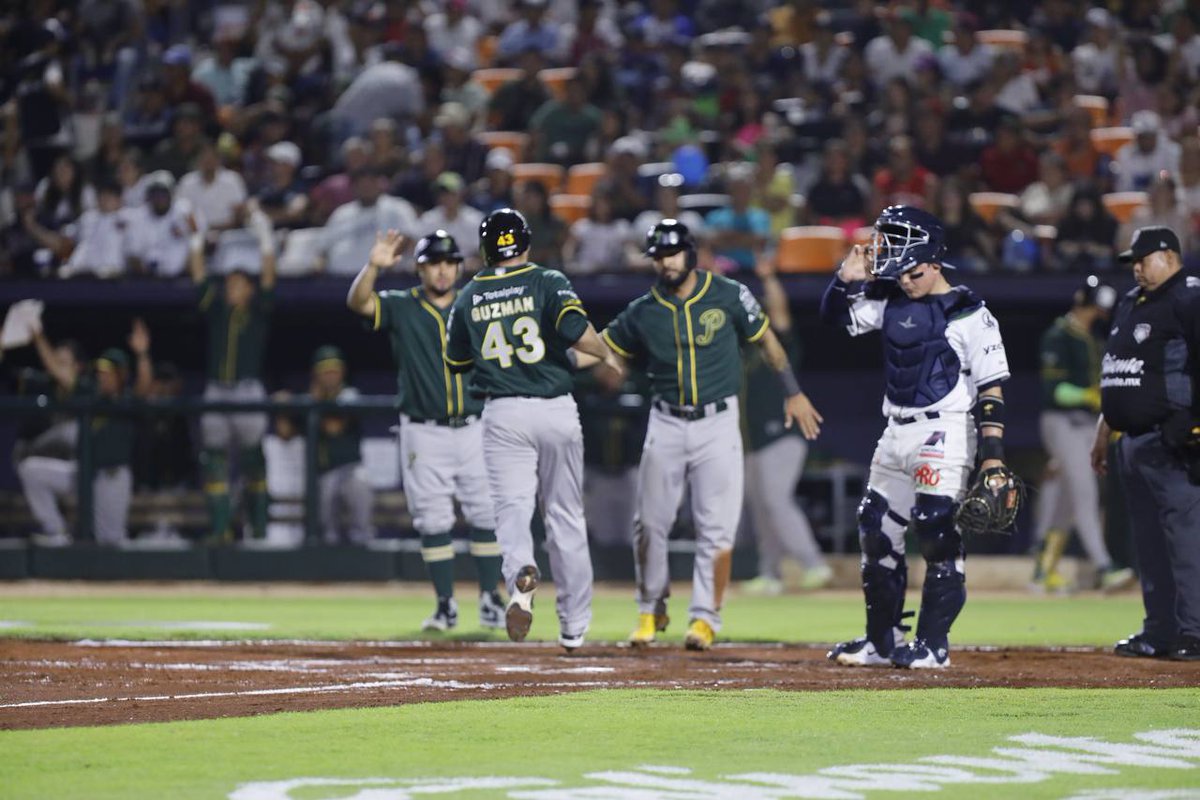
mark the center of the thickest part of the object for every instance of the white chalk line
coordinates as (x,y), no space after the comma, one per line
(327,689)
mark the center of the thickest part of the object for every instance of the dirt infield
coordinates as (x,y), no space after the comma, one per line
(52,684)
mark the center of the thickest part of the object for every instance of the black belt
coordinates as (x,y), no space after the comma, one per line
(916,417)
(446,422)
(691,413)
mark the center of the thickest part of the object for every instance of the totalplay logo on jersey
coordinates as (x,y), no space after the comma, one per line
(497,294)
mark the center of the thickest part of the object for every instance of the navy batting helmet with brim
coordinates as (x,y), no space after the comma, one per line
(906,236)
(503,234)
(437,246)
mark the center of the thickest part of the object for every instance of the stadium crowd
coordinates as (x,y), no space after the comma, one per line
(127,121)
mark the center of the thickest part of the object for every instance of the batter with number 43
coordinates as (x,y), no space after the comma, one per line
(943,355)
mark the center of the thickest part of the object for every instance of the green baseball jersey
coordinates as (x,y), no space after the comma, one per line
(515,326)
(341,444)
(427,389)
(237,337)
(1069,355)
(691,347)
(762,397)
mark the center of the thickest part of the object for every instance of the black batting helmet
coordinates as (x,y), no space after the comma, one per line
(437,246)
(668,237)
(503,234)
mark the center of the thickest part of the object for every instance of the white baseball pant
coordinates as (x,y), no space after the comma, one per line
(533,449)
(704,455)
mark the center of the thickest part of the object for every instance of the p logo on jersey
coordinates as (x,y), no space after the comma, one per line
(711,321)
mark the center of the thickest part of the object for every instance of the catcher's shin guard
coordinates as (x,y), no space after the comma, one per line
(884,571)
(945,591)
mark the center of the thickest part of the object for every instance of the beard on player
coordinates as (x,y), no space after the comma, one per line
(439,277)
(672,269)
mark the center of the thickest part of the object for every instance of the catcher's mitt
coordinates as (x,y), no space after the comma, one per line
(992,504)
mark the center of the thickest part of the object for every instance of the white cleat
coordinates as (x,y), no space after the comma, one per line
(858,653)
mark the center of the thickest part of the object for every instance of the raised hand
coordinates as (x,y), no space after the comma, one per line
(139,338)
(386,250)
(857,265)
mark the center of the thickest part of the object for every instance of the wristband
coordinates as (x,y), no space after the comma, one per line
(791,387)
(991,412)
(991,447)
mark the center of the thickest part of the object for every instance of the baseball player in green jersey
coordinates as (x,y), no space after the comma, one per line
(687,331)
(516,323)
(237,312)
(1070,402)
(341,479)
(775,457)
(45,479)
(441,439)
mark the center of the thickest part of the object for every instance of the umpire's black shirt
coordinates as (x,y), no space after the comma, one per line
(1150,367)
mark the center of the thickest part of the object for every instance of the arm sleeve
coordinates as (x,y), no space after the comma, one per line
(564,309)
(383,312)
(984,348)
(621,335)
(748,316)
(846,304)
(459,356)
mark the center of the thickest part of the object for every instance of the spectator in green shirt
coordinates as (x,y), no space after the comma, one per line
(563,129)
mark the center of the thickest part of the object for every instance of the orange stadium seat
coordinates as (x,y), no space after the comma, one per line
(1096,106)
(555,79)
(987,204)
(492,78)
(1122,204)
(812,248)
(512,140)
(1005,39)
(548,175)
(582,178)
(1109,140)
(570,207)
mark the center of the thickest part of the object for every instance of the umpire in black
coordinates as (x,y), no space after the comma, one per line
(1149,392)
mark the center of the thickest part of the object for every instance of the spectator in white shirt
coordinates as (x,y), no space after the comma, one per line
(1095,61)
(453,29)
(823,56)
(966,60)
(132,178)
(596,243)
(1018,93)
(158,232)
(99,238)
(454,216)
(219,194)
(1183,42)
(350,231)
(895,54)
(1139,163)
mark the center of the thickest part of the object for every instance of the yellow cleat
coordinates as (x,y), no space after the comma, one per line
(700,635)
(646,631)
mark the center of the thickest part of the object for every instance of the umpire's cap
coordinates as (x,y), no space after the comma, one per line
(668,237)
(503,234)
(437,246)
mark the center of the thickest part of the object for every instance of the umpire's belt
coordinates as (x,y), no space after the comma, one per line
(445,422)
(916,417)
(691,412)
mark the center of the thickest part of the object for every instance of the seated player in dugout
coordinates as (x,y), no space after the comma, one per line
(687,333)
(943,354)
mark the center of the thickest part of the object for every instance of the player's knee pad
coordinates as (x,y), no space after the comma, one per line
(933,520)
(880,530)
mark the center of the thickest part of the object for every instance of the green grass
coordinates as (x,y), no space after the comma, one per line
(566,738)
(391,614)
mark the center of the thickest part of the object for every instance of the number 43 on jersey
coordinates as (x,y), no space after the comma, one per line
(495,345)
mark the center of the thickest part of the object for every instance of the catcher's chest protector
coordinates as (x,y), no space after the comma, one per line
(920,366)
